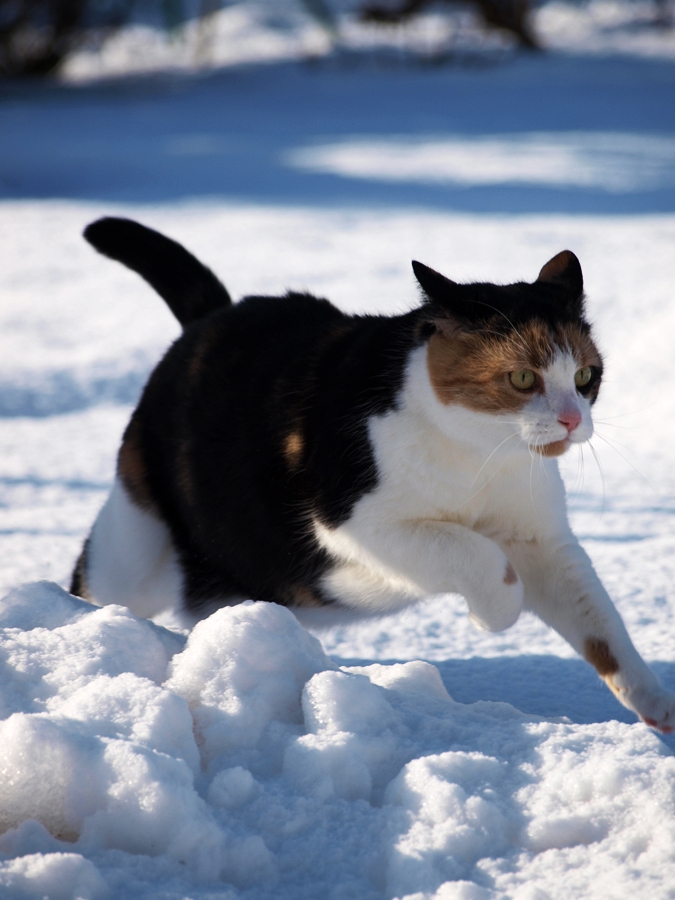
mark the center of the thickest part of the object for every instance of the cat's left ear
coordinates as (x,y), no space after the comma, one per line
(564,270)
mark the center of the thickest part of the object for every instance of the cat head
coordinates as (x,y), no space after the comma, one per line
(520,352)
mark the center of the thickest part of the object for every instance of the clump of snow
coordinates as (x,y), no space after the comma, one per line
(90,745)
(232,788)
(242,759)
(58,876)
(242,673)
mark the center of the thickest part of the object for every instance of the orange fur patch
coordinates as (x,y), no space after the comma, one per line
(598,654)
(294,447)
(199,352)
(580,345)
(555,448)
(510,576)
(131,467)
(471,368)
(304,598)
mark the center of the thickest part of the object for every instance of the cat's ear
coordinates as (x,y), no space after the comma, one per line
(445,299)
(436,286)
(564,270)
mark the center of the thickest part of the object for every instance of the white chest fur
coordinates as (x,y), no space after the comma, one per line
(447,476)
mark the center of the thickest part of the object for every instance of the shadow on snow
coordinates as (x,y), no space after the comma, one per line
(227,134)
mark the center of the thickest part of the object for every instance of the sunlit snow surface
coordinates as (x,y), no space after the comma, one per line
(617,163)
(246,761)
(245,756)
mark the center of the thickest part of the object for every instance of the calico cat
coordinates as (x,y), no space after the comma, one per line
(285,451)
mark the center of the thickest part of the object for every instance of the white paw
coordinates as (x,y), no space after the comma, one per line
(496,599)
(653,703)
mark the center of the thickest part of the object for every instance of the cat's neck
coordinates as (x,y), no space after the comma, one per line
(460,465)
(478,435)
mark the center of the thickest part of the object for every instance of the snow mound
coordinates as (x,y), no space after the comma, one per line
(243,758)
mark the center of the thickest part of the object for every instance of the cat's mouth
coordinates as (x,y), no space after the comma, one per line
(555,448)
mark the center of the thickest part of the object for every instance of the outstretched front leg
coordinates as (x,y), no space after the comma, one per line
(563,589)
(414,559)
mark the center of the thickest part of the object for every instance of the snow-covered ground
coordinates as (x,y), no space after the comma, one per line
(245,760)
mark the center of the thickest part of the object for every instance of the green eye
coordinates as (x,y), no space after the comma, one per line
(523,379)
(583,376)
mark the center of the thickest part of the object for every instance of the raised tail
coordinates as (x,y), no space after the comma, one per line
(190,290)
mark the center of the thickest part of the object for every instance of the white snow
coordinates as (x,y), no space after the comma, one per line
(401,758)
(618,163)
(244,759)
(606,27)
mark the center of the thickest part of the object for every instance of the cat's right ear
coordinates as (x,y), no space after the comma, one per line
(444,297)
(437,287)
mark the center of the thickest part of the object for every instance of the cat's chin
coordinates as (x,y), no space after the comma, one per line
(555,448)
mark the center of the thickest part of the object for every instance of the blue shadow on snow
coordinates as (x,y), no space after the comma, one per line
(224,135)
(537,685)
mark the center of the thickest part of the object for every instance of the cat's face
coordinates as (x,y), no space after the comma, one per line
(520,356)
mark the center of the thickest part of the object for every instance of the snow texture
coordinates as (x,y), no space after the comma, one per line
(259,756)
(244,756)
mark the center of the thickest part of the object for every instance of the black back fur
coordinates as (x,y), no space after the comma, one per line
(254,422)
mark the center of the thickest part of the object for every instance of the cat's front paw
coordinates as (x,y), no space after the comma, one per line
(496,600)
(653,703)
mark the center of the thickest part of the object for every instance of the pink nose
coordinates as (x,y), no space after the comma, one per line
(570,418)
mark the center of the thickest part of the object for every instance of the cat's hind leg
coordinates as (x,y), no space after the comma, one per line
(129,558)
(355,588)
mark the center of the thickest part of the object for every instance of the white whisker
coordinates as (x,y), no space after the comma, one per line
(602,474)
(582,460)
(501,444)
(610,443)
(483,486)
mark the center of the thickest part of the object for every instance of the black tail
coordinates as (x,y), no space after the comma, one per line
(190,289)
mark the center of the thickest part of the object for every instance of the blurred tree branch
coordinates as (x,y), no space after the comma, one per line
(511,15)
(35,35)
